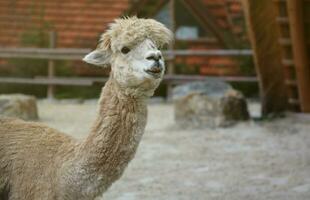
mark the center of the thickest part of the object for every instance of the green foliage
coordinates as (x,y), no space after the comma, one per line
(161,90)
(78,92)
(37,90)
(248,89)
(246,65)
(181,68)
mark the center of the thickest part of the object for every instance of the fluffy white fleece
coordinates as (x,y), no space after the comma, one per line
(131,31)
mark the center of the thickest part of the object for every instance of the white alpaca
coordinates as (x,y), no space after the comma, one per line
(38,162)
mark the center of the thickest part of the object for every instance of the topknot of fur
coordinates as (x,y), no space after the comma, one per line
(131,31)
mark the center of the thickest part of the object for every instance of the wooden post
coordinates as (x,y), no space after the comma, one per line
(51,66)
(170,70)
(302,67)
(263,33)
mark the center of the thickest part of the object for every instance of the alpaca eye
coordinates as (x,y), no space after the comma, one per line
(125,50)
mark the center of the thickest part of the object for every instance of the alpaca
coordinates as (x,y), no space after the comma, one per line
(38,162)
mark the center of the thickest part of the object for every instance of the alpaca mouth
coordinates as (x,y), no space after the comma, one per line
(154,71)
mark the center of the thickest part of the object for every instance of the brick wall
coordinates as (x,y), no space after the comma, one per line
(77,22)
(228,15)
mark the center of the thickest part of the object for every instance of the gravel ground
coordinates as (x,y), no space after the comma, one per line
(249,161)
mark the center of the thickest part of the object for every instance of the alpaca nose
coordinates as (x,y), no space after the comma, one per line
(156,56)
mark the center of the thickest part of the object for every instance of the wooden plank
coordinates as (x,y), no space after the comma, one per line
(261,19)
(279,1)
(288,62)
(300,54)
(168,78)
(159,5)
(176,79)
(201,13)
(211,40)
(44,53)
(84,80)
(47,81)
(291,82)
(233,1)
(282,20)
(88,81)
(171,66)
(293,101)
(136,7)
(51,67)
(78,54)
(216,52)
(285,41)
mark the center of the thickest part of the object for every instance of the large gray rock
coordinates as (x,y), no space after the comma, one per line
(208,104)
(18,106)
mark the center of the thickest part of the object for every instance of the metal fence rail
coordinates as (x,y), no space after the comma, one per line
(52,54)
(77,54)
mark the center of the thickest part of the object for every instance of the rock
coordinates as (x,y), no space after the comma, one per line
(19,106)
(208,104)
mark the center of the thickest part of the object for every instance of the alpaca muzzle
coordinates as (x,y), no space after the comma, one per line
(155,70)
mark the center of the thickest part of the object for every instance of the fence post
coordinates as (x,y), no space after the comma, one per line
(300,53)
(260,17)
(170,70)
(51,66)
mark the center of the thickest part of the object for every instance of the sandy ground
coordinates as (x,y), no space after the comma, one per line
(252,160)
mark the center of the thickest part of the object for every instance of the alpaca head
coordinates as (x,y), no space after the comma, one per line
(131,47)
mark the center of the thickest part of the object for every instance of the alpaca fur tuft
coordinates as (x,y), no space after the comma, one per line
(131,31)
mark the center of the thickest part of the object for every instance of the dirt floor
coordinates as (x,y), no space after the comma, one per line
(252,160)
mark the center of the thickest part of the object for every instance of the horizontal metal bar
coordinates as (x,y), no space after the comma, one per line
(282,20)
(78,54)
(216,52)
(188,78)
(293,101)
(291,82)
(43,53)
(288,62)
(47,81)
(88,81)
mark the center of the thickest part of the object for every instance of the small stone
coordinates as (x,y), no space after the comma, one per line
(208,104)
(18,106)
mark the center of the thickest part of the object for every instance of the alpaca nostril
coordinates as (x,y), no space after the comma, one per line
(153,57)
(150,57)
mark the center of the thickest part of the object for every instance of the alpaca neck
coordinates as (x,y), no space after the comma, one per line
(115,135)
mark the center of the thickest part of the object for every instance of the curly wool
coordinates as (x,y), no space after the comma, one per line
(131,31)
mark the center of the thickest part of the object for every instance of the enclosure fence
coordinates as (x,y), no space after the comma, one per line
(52,54)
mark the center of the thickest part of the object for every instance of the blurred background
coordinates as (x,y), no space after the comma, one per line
(260,48)
(198,25)
(42,43)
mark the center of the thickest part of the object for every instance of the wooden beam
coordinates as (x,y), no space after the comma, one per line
(170,69)
(207,21)
(47,81)
(89,81)
(136,7)
(51,67)
(77,54)
(214,52)
(177,79)
(159,5)
(43,53)
(262,30)
(301,60)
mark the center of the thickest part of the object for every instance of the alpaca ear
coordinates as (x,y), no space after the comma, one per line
(102,55)
(98,57)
